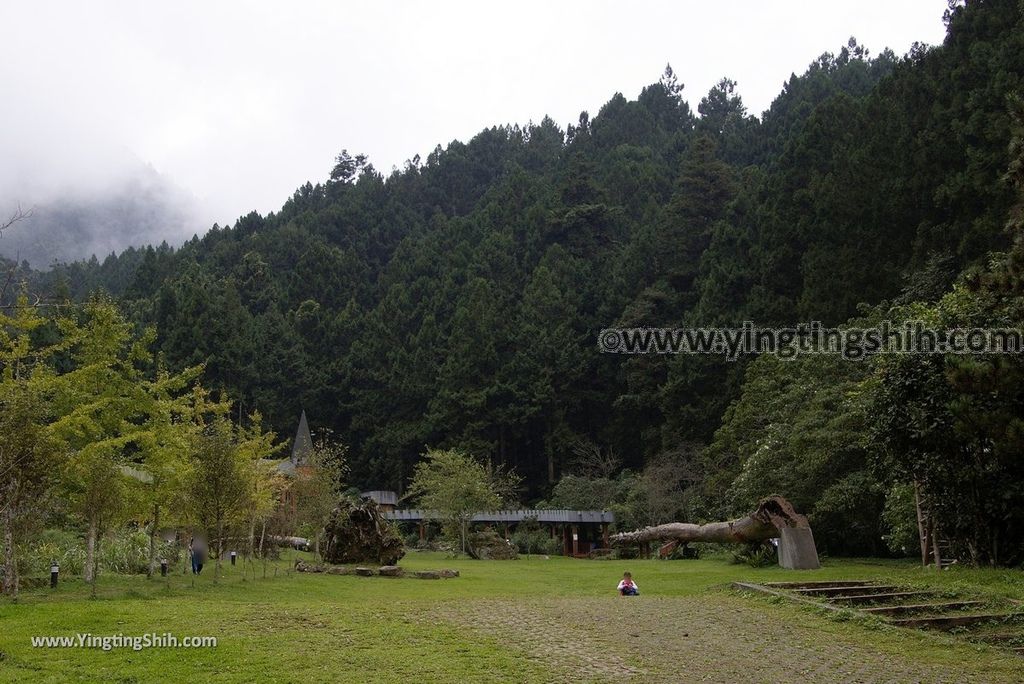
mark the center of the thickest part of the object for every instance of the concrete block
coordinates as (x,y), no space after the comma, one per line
(797,550)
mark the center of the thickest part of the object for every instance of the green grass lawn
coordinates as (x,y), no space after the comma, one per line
(530,620)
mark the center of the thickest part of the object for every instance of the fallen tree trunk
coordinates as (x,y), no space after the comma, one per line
(283,540)
(762,524)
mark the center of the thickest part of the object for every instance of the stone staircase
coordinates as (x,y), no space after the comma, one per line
(980,621)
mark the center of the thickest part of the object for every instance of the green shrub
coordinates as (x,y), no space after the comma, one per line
(536,541)
(66,548)
(122,552)
(900,518)
(127,552)
(756,555)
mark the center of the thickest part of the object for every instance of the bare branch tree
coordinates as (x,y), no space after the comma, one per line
(590,460)
(17,215)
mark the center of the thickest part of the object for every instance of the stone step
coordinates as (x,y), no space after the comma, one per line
(999,637)
(921,608)
(885,596)
(847,591)
(950,621)
(819,583)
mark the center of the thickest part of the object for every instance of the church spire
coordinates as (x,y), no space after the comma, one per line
(303,443)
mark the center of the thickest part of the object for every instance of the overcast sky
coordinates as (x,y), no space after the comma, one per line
(240,103)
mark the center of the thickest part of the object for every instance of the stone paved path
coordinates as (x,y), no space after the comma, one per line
(713,638)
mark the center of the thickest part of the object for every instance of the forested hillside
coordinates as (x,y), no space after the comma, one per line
(457,301)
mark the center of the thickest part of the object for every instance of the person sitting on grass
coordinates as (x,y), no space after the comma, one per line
(627,587)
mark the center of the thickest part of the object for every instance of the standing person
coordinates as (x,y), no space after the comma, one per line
(197,552)
(627,587)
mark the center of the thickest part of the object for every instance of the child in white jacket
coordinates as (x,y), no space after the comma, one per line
(627,587)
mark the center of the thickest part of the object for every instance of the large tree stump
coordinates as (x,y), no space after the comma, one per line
(359,533)
(774,518)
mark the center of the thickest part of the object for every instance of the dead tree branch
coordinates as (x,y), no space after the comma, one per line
(17,215)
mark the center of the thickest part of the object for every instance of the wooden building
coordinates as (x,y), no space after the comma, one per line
(581,532)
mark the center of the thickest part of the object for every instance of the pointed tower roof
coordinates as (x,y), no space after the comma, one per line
(303,443)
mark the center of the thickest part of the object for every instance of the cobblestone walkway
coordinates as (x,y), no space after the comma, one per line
(714,638)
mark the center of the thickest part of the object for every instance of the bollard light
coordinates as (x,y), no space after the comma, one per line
(163,567)
(233,555)
(54,571)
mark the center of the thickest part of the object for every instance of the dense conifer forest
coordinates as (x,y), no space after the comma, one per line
(457,301)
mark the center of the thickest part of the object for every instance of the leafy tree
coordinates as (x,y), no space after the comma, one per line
(799,429)
(347,168)
(263,481)
(101,403)
(952,424)
(319,485)
(900,517)
(29,455)
(582,493)
(219,485)
(101,493)
(455,486)
(162,450)
(657,495)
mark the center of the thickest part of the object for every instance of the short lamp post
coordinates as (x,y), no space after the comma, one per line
(54,572)
(163,567)
(234,554)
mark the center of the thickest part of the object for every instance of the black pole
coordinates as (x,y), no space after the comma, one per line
(233,555)
(163,567)
(54,572)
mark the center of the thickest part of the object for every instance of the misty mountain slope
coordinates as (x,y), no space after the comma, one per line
(138,210)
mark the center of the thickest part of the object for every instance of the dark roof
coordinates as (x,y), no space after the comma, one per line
(542,515)
(381,496)
(286,467)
